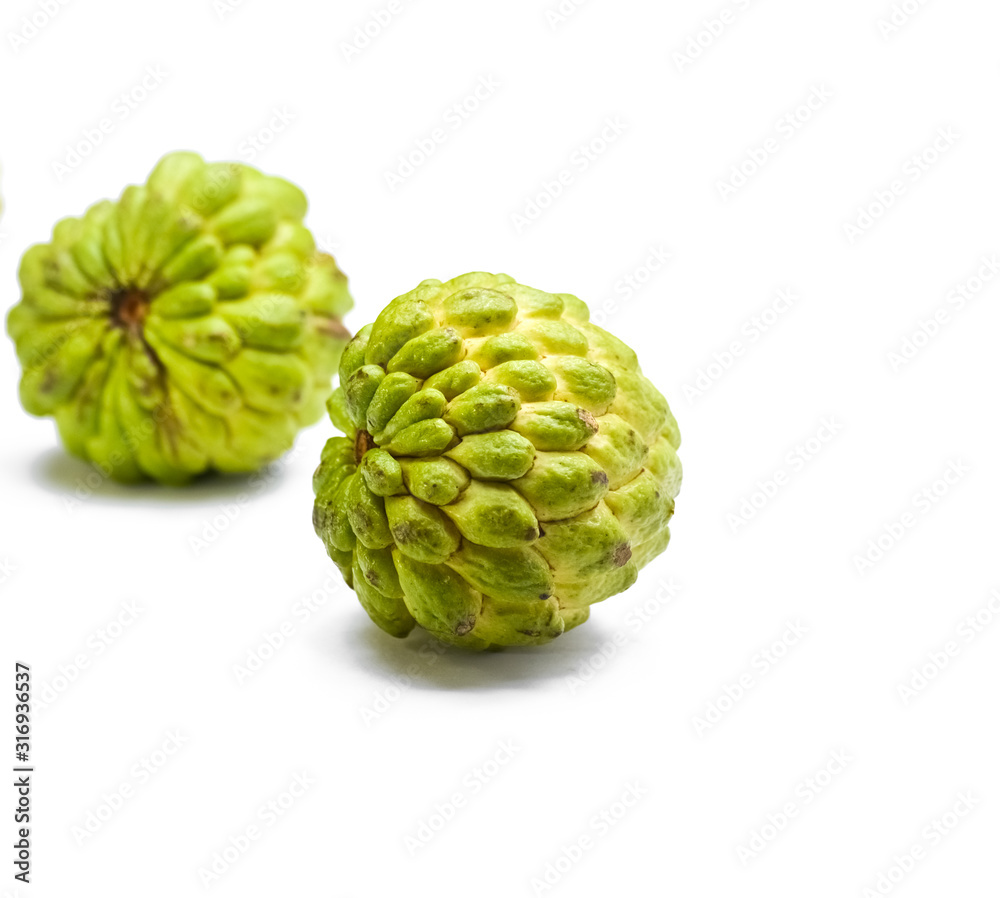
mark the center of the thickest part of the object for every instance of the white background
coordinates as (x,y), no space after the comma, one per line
(389,730)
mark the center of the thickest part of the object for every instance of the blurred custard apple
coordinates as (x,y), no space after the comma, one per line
(506,464)
(190,326)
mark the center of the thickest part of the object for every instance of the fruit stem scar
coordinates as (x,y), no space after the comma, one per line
(129,308)
(362,444)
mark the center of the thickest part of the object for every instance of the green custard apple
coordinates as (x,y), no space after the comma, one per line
(189,326)
(505,464)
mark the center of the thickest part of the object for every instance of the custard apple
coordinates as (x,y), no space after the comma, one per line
(190,326)
(506,464)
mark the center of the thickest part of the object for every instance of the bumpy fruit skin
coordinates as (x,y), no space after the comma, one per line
(190,326)
(505,464)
